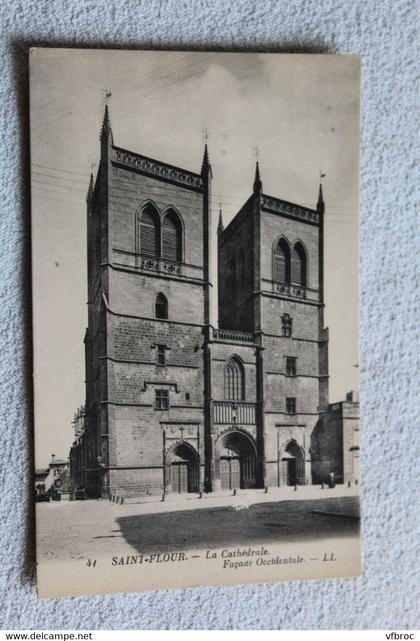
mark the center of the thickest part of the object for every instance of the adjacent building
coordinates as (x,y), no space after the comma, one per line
(335,442)
(51,476)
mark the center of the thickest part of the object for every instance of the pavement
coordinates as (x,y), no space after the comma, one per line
(79,529)
(178,502)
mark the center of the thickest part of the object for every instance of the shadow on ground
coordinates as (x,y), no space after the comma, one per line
(279,522)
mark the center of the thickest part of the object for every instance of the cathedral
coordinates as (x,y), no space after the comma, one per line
(173,403)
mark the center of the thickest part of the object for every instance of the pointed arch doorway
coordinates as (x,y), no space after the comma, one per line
(182,469)
(292,465)
(235,461)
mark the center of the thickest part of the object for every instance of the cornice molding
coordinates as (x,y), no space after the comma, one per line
(156,168)
(277,206)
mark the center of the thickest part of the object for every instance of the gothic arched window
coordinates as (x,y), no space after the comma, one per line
(299,265)
(234,380)
(161,306)
(172,237)
(149,232)
(282,261)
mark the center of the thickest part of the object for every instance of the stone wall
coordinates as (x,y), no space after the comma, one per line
(236,290)
(221,352)
(129,191)
(274,226)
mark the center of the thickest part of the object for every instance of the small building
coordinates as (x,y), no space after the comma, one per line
(335,442)
(56,475)
(57,469)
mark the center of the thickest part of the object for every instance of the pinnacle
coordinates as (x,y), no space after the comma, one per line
(205,164)
(220,224)
(257,180)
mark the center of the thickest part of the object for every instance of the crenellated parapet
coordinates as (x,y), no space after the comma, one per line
(156,168)
(297,212)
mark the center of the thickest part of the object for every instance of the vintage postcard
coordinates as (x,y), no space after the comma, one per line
(195,313)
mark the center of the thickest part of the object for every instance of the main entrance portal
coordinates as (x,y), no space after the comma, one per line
(180,477)
(230,472)
(235,461)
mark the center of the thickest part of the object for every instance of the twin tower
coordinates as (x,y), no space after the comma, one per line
(174,404)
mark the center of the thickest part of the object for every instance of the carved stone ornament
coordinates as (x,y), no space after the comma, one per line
(292,210)
(157,168)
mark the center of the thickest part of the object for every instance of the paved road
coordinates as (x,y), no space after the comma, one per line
(78,530)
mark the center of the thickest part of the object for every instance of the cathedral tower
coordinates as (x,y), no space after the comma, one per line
(271,285)
(149,305)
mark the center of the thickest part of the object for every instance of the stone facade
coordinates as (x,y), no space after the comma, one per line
(174,404)
(335,443)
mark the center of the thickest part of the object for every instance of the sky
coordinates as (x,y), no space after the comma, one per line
(300,111)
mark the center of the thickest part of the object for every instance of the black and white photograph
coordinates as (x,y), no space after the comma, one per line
(195,285)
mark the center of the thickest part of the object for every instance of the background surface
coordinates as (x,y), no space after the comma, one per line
(384,33)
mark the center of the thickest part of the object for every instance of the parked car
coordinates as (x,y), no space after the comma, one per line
(40,497)
(55,495)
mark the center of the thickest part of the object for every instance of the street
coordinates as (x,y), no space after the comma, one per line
(80,529)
